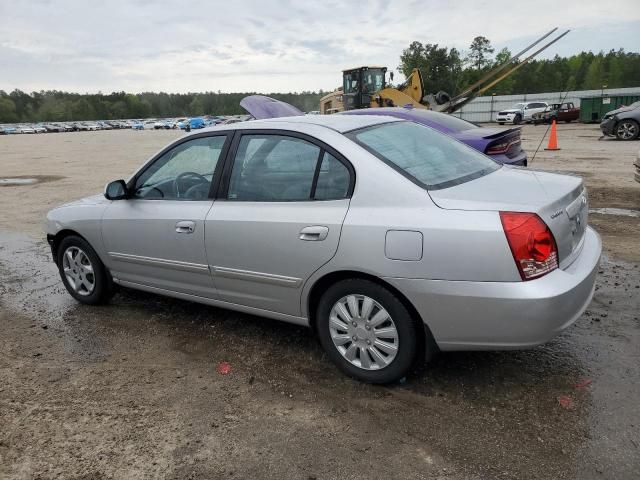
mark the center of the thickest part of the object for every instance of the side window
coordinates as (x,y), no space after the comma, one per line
(183,173)
(333,179)
(273,168)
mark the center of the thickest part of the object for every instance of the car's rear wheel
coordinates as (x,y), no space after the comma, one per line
(627,130)
(517,119)
(367,331)
(82,272)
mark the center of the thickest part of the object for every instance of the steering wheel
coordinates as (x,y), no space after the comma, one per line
(187,175)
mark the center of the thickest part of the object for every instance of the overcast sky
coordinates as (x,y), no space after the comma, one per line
(270,46)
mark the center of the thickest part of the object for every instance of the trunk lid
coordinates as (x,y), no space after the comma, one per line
(559,200)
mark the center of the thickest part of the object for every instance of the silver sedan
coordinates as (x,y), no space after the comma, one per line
(390,240)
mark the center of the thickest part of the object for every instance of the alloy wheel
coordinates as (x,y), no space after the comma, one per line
(78,271)
(627,130)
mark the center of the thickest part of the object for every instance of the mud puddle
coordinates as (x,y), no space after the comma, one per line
(27,180)
(131,390)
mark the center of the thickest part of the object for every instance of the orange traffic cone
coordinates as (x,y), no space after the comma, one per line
(553,138)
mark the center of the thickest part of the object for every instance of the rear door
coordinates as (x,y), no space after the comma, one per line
(278,218)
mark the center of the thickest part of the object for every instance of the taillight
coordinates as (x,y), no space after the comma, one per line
(531,242)
(502,147)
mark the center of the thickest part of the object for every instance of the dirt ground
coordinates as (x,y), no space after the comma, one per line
(131,389)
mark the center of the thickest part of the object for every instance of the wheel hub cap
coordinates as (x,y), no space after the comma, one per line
(78,271)
(363,332)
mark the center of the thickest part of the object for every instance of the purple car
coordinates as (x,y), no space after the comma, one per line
(502,145)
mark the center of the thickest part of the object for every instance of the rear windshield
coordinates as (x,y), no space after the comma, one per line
(427,157)
(449,122)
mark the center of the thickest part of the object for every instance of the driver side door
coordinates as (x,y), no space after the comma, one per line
(155,237)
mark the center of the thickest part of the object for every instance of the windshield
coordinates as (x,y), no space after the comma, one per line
(427,157)
(372,80)
(518,106)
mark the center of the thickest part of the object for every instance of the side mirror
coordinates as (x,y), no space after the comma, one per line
(116,190)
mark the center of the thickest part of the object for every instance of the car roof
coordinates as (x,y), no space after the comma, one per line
(339,123)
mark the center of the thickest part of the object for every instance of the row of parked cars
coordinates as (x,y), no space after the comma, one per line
(183,123)
(538,112)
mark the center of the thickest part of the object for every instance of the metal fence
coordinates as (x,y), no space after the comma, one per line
(484,109)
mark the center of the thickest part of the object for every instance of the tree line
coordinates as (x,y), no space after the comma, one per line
(442,68)
(447,69)
(57,106)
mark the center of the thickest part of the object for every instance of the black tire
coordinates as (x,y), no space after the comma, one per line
(407,327)
(517,119)
(103,288)
(627,129)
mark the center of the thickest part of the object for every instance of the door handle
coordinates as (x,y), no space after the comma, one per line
(186,226)
(314,233)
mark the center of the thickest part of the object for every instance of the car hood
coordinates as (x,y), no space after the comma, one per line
(621,110)
(510,110)
(92,200)
(261,107)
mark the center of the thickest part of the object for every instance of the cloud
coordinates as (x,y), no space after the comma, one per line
(268,46)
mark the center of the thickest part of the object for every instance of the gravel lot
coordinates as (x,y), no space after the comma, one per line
(131,389)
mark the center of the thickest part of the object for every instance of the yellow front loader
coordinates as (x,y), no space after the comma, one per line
(366,87)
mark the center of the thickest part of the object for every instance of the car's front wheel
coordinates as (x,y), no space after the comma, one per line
(82,272)
(517,119)
(367,331)
(627,130)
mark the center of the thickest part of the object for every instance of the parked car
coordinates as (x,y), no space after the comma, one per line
(8,130)
(520,112)
(623,123)
(560,112)
(104,125)
(194,123)
(39,128)
(54,128)
(504,146)
(25,129)
(137,126)
(389,239)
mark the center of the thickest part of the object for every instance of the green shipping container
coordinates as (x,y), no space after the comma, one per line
(592,109)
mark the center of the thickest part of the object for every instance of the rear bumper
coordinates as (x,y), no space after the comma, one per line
(505,315)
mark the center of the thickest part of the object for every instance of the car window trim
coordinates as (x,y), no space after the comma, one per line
(225,180)
(215,180)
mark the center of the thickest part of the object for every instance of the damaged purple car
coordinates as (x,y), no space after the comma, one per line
(502,145)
